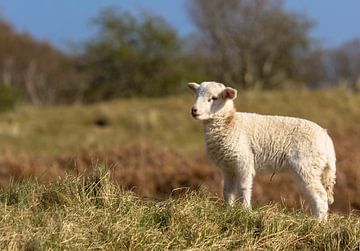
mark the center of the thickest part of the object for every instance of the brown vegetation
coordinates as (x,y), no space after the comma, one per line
(156,172)
(39,72)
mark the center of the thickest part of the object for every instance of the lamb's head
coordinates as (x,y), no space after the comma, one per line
(212,100)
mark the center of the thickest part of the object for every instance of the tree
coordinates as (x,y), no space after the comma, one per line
(344,64)
(132,57)
(35,70)
(251,43)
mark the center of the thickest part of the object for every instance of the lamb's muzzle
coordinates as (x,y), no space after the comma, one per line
(194,112)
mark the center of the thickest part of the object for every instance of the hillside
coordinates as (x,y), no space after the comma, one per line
(167,121)
(153,146)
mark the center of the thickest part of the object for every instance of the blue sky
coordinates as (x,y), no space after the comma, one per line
(65,21)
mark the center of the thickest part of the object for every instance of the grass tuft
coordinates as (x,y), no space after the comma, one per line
(92,213)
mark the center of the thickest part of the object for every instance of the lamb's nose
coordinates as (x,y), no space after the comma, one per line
(194,112)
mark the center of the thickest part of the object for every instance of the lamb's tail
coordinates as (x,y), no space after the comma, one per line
(329,174)
(328,180)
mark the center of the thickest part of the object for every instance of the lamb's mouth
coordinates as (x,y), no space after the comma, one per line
(195,115)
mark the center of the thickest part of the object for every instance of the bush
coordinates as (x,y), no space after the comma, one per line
(8,98)
(133,57)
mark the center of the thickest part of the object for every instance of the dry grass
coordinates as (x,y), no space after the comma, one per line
(156,171)
(167,121)
(153,148)
(169,153)
(82,214)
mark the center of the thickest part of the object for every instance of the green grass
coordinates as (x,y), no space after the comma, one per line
(82,214)
(166,121)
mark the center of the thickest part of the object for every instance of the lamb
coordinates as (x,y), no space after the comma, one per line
(242,143)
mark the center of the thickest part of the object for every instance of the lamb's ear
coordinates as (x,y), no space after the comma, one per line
(229,93)
(193,86)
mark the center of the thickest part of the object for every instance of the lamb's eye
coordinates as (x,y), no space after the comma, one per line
(212,98)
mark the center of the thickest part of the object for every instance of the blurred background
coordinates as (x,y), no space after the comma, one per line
(102,83)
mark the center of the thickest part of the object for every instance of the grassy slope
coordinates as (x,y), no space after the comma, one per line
(66,215)
(77,214)
(165,121)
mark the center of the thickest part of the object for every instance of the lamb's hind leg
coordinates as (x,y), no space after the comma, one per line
(312,187)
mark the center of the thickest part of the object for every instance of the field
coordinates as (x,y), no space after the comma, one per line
(93,214)
(155,155)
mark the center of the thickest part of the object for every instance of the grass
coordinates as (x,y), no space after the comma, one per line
(75,213)
(165,121)
(81,214)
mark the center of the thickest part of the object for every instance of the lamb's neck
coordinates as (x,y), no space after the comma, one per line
(219,137)
(221,125)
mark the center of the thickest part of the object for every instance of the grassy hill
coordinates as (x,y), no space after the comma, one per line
(166,121)
(82,214)
(153,148)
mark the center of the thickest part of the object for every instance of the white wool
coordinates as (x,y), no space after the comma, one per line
(242,143)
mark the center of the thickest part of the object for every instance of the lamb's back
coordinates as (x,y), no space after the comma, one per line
(275,140)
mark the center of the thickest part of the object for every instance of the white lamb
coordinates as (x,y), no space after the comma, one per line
(241,143)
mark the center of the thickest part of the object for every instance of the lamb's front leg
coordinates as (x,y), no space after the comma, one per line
(238,184)
(230,187)
(244,187)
